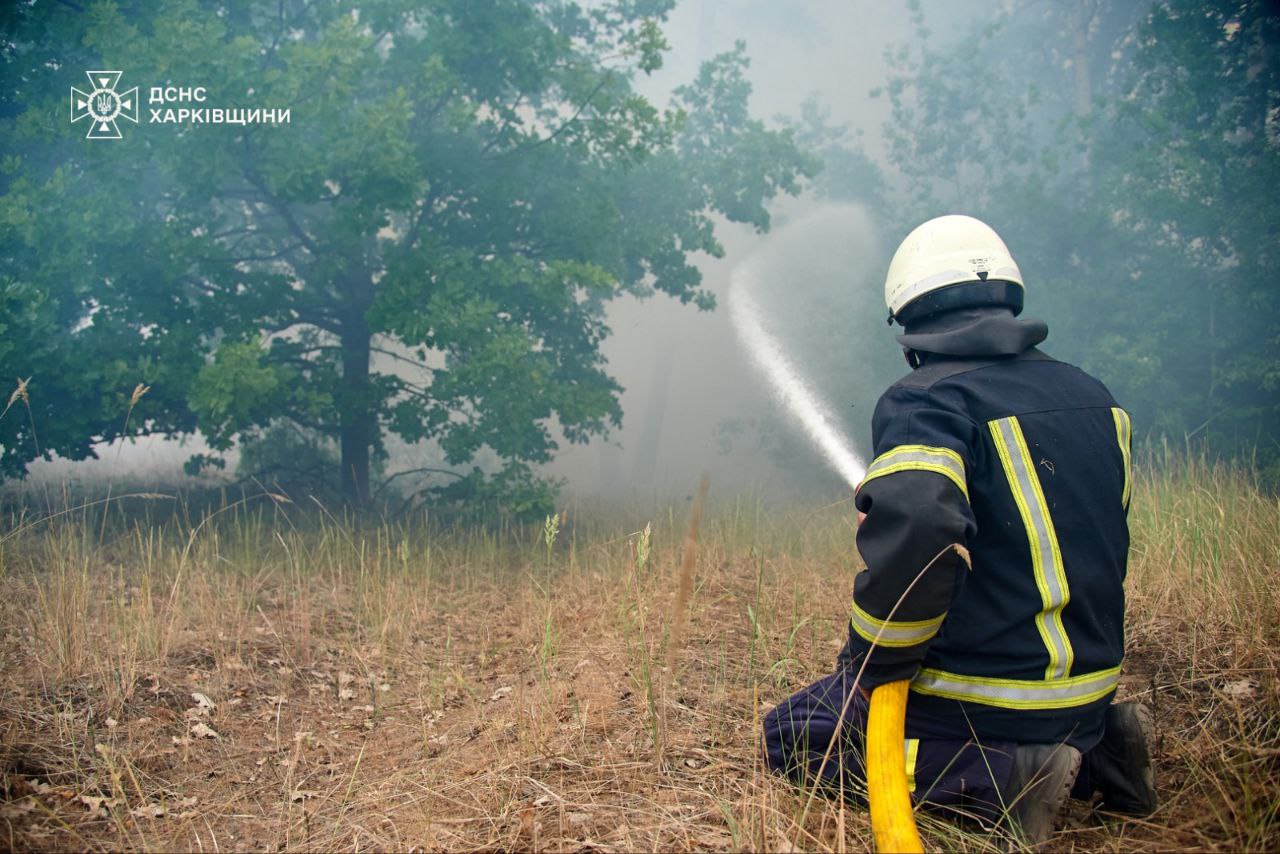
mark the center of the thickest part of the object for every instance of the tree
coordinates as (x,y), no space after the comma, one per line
(1134,192)
(1198,142)
(425,250)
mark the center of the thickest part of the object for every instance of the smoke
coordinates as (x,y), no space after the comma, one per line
(808,411)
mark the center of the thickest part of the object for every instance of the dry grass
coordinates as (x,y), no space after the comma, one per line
(251,684)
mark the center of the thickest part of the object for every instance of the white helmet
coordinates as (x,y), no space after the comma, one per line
(943,254)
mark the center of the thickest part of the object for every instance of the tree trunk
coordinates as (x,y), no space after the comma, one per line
(356,421)
(644,469)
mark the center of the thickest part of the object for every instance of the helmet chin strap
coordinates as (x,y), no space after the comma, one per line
(912,357)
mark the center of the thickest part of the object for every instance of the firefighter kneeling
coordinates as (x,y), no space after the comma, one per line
(1024,461)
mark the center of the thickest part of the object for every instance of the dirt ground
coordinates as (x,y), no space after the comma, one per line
(515,709)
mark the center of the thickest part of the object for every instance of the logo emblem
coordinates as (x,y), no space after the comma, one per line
(103,105)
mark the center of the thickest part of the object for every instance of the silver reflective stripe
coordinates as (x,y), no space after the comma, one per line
(894,633)
(1018,693)
(943,461)
(1124,435)
(1046,558)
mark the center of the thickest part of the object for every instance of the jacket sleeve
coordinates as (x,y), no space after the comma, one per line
(915,495)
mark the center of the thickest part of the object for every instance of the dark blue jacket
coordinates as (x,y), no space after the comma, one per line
(1023,462)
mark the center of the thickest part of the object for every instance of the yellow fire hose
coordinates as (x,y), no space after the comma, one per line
(892,822)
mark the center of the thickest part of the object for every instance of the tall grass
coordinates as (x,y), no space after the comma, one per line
(404,684)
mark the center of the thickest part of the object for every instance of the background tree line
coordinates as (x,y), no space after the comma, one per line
(1128,153)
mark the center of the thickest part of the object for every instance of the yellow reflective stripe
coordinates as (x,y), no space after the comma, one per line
(892,633)
(911,749)
(1124,435)
(943,461)
(1018,693)
(1046,557)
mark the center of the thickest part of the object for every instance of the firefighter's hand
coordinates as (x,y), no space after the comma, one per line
(861,516)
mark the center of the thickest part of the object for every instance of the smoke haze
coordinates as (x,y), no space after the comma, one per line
(692,400)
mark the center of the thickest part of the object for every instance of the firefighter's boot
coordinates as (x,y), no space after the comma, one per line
(1120,766)
(1042,777)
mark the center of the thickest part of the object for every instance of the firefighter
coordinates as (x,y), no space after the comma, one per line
(1013,641)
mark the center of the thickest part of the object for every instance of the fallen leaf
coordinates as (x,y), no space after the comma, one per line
(112,723)
(1241,689)
(148,811)
(96,804)
(200,730)
(500,693)
(202,701)
(303,795)
(15,809)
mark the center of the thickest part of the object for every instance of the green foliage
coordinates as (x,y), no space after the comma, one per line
(234,390)
(426,249)
(287,459)
(514,493)
(1132,176)
(1199,186)
(848,173)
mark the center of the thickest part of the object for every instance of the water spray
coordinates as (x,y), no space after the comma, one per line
(786,382)
(892,820)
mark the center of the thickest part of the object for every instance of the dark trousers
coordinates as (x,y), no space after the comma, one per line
(956,775)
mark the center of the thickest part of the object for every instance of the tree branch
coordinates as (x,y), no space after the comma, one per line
(252,176)
(401,358)
(238,259)
(386,482)
(566,124)
(306,318)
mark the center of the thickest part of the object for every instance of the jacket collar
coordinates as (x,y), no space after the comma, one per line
(984,331)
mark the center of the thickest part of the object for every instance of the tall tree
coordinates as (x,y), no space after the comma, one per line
(1134,193)
(1195,145)
(425,250)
